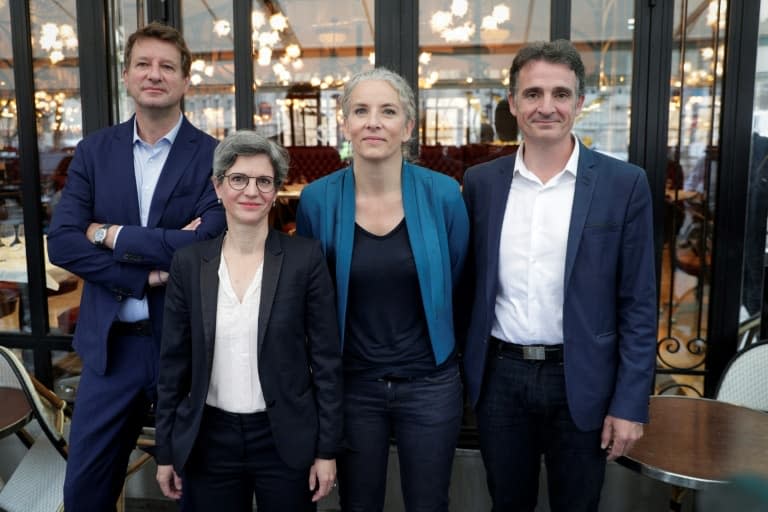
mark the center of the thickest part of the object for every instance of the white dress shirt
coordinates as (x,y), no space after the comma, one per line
(148,162)
(235,385)
(534,238)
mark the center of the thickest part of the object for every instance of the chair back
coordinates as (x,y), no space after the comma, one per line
(36,484)
(47,408)
(745,379)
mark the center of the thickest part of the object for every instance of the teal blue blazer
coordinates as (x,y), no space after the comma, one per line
(438,230)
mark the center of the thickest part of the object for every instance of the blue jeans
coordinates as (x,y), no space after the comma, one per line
(523,413)
(424,417)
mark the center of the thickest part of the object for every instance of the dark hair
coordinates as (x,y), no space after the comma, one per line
(560,51)
(156,30)
(247,143)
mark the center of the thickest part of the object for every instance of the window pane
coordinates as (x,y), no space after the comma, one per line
(602,30)
(210,102)
(694,114)
(754,290)
(124,17)
(13,269)
(59,128)
(466,49)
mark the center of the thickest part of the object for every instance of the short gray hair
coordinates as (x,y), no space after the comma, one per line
(397,82)
(247,143)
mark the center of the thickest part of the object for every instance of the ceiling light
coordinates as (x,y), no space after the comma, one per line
(459,7)
(222,28)
(257,19)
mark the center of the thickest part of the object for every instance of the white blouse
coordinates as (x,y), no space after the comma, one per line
(235,385)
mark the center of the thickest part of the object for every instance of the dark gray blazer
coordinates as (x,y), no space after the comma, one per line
(299,354)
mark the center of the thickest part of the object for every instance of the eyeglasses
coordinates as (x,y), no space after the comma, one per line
(240,181)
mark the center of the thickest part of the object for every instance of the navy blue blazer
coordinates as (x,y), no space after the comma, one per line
(101,187)
(609,309)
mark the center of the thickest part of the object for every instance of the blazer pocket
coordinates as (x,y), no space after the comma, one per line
(606,339)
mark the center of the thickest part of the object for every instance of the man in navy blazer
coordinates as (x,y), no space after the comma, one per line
(134,194)
(560,345)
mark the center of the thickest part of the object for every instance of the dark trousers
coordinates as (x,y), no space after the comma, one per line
(108,417)
(424,417)
(522,414)
(235,458)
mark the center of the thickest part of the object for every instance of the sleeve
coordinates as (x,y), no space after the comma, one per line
(68,247)
(636,309)
(325,354)
(175,365)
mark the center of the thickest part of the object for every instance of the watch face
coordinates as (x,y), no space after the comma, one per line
(99,236)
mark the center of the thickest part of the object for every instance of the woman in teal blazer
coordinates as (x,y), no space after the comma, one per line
(395,236)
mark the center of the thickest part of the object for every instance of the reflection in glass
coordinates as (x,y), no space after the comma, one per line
(466,49)
(124,16)
(13,262)
(697,69)
(59,128)
(754,288)
(602,30)
(210,102)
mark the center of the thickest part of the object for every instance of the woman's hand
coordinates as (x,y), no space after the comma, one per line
(170,482)
(322,478)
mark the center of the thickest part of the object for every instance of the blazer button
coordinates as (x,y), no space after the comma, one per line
(119,298)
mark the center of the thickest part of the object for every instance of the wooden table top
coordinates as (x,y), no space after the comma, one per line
(15,411)
(699,443)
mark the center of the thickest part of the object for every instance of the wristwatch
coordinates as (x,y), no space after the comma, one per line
(101,235)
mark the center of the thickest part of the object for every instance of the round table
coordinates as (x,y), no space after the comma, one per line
(699,443)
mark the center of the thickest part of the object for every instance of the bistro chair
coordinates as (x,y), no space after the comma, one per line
(745,379)
(36,483)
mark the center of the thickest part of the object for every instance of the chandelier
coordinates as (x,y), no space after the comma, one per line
(55,39)
(452,26)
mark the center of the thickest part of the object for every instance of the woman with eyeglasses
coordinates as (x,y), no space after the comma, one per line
(249,392)
(395,236)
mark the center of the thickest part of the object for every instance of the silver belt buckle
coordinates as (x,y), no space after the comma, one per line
(535,353)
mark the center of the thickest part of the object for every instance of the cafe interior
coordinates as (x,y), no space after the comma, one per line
(678,87)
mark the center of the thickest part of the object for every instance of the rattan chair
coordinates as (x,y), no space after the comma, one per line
(37,482)
(745,379)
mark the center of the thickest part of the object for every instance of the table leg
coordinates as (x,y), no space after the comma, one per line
(676,498)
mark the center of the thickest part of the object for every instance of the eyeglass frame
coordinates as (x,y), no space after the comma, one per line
(272,187)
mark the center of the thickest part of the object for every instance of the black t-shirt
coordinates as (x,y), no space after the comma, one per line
(386,333)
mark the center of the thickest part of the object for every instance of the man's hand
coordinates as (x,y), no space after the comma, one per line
(619,435)
(322,478)
(170,482)
(193,225)
(157,278)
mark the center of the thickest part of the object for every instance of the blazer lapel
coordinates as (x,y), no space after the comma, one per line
(124,177)
(496,208)
(273,261)
(183,150)
(209,286)
(586,177)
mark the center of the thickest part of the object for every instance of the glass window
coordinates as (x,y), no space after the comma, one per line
(466,49)
(124,18)
(59,128)
(13,269)
(693,140)
(210,102)
(754,289)
(602,30)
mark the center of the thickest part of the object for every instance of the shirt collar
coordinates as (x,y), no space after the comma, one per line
(170,136)
(571,166)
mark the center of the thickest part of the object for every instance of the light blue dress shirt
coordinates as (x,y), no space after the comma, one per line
(148,162)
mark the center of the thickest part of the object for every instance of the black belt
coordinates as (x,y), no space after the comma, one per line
(528,352)
(140,328)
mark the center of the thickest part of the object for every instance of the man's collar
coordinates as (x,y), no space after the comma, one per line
(571,166)
(170,136)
